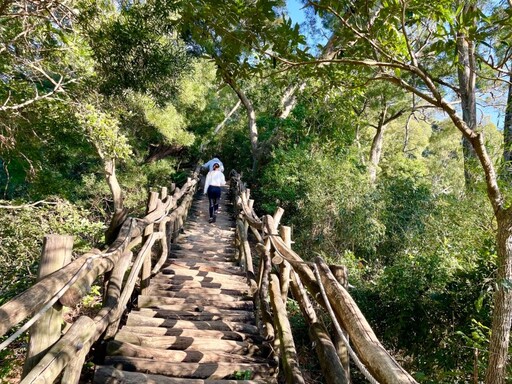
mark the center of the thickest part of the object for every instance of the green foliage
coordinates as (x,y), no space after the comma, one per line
(345,218)
(242,375)
(136,49)
(102,129)
(168,122)
(22,234)
(437,289)
(93,298)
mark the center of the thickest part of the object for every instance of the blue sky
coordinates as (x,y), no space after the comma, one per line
(297,14)
(294,10)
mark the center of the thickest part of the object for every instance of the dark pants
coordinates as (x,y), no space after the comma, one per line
(213,197)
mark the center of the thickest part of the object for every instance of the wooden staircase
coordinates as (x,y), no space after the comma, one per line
(196,322)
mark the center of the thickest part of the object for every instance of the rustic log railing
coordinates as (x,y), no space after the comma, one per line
(58,286)
(281,269)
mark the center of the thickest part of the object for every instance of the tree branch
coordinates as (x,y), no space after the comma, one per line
(40,202)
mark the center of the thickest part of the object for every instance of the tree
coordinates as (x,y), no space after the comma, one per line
(433,50)
(228,32)
(103,132)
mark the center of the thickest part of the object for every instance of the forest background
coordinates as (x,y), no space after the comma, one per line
(365,124)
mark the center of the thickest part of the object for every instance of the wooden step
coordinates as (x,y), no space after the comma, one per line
(204,305)
(199,282)
(197,267)
(136,319)
(193,262)
(207,246)
(226,315)
(111,375)
(180,279)
(215,371)
(119,348)
(189,343)
(200,256)
(163,283)
(185,292)
(199,308)
(195,333)
(192,238)
(184,272)
(195,323)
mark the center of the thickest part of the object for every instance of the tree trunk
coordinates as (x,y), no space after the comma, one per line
(289,97)
(120,212)
(467,83)
(289,100)
(376,150)
(251,116)
(502,313)
(226,119)
(507,134)
(161,151)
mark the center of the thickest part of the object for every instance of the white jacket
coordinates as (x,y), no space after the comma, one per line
(215,178)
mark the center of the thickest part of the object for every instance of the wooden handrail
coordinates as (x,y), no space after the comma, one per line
(70,283)
(379,365)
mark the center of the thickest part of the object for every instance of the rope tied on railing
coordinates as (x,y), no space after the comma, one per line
(86,265)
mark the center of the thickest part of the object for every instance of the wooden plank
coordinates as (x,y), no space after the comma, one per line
(118,348)
(195,268)
(186,304)
(176,285)
(190,343)
(197,308)
(194,262)
(136,319)
(182,274)
(111,375)
(196,333)
(197,293)
(216,371)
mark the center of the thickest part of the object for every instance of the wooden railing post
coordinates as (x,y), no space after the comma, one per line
(291,369)
(341,275)
(146,266)
(46,331)
(285,267)
(163,193)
